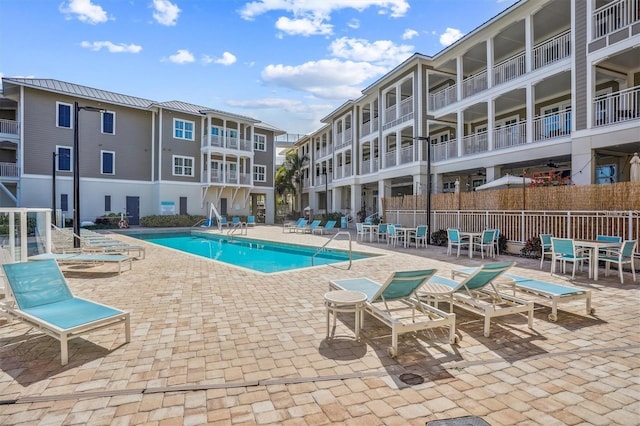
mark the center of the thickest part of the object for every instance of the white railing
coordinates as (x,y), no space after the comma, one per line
(347,170)
(375,124)
(230,177)
(510,69)
(442,98)
(365,167)
(245,178)
(228,142)
(9,170)
(511,135)
(615,15)
(474,144)
(552,125)
(390,159)
(519,226)
(348,136)
(365,128)
(10,127)
(617,107)
(552,50)
(444,150)
(406,106)
(474,84)
(406,155)
(306,182)
(217,176)
(390,114)
(342,144)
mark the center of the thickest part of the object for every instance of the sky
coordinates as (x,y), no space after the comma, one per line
(288,63)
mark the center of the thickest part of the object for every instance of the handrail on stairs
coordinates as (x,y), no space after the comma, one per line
(242,226)
(321,249)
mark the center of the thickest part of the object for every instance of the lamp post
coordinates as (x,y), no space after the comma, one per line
(326,190)
(427,139)
(76,170)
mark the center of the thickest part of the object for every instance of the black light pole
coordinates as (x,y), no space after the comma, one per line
(326,190)
(53,189)
(76,171)
(428,141)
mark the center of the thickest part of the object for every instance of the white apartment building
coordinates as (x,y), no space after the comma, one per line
(548,88)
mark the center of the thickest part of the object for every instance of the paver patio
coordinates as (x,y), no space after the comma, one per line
(215,344)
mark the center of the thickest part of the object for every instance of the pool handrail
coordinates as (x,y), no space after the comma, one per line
(320,249)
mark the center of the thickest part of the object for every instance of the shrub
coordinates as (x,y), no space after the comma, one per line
(170,221)
(439,238)
(532,248)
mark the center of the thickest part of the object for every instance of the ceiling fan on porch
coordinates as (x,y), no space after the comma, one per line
(551,164)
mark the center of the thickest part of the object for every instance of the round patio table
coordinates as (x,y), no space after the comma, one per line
(344,301)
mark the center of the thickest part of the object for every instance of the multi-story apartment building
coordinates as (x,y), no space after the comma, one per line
(136,156)
(550,88)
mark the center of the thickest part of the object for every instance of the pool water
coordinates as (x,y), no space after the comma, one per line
(258,255)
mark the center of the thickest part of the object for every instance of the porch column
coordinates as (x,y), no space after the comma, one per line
(490,62)
(493,173)
(384,191)
(528,43)
(491,112)
(459,77)
(356,200)
(530,105)
(460,132)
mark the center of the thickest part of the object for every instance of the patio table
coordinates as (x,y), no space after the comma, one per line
(372,230)
(594,248)
(472,236)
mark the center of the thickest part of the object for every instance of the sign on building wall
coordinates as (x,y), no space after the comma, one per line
(167,207)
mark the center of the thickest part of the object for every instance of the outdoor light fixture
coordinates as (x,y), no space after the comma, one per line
(427,139)
(76,171)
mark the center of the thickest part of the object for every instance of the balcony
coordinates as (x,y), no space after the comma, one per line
(407,154)
(551,51)
(617,107)
(615,16)
(445,150)
(230,177)
(474,84)
(9,170)
(509,136)
(369,127)
(406,114)
(390,159)
(551,126)
(475,144)
(509,70)
(443,98)
(9,127)
(228,142)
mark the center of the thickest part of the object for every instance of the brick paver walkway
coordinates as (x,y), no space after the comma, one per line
(215,344)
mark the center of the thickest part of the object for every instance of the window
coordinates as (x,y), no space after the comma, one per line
(182,166)
(109,122)
(259,173)
(606,174)
(107,203)
(64,202)
(63,155)
(183,129)
(63,115)
(259,142)
(107,162)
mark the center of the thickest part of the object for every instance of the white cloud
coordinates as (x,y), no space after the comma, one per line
(321,8)
(354,24)
(111,47)
(450,36)
(408,34)
(380,51)
(328,78)
(85,11)
(226,59)
(303,26)
(165,12)
(182,56)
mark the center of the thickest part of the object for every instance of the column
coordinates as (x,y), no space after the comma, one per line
(530,105)
(460,132)
(491,123)
(528,43)
(490,62)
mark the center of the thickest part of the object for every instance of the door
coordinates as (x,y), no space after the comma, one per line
(183,205)
(223,206)
(133,210)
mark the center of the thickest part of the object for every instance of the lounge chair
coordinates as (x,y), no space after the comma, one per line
(395,304)
(477,294)
(292,226)
(322,229)
(309,228)
(85,258)
(251,220)
(39,296)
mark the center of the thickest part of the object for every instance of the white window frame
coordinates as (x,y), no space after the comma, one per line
(58,158)
(259,139)
(182,166)
(113,162)
(71,112)
(102,122)
(256,173)
(183,121)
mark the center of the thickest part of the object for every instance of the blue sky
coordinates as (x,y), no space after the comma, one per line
(285,62)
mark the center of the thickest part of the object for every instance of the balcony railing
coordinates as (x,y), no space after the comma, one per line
(230,177)
(406,106)
(9,170)
(618,107)
(442,98)
(509,70)
(228,142)
(390,114)
(474,144)
(365,128)
(474,84)
(445,150)
(10,127)
(553,125)
(553,50)
(341,143)
(406,155)
(511,135)
(614,16)
(390,159)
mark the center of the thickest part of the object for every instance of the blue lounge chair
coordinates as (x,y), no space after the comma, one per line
(395,304)
(294,226)
(251,220)
(478,294)
(39,296)
(85,258)
(309,229)
(327,227)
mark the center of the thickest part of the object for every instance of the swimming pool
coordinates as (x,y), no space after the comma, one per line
(258,255)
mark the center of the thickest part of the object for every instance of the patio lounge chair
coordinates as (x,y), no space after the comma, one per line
(251,220)
(292,226)
(39,296)
(309,228)
(322,229)
(395,304)
(85,258)
(477,294)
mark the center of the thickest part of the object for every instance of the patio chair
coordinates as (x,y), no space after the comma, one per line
(39,296)
(419,236)
(496,242)
(392,234)
(382,231)
(360,233)
(455,240)
(621,257)
(329,226)
(235,221)
(395,304)
(224,221)
(309,228)
(564,250)
(545,246)
(486,242)
(477,294)
(251,220)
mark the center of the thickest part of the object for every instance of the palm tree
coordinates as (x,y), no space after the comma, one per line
(289,176)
